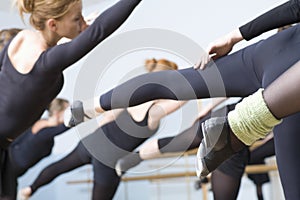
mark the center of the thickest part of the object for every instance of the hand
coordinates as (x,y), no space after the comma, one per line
(215,50)
(219,48)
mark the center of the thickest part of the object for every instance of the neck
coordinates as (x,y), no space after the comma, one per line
(49,39)
(52,121)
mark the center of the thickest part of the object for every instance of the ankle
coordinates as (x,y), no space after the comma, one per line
(251,119)
(27,191)
(91,109)
(236,144)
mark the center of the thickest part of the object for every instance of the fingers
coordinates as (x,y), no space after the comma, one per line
(206,57)
(204,61)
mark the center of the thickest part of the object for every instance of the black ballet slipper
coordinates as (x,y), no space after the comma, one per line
(216,145)
(127,162)
(74,114)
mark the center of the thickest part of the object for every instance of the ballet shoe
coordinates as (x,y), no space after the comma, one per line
(198,183)
(74,114)
(127,162)
(216,145)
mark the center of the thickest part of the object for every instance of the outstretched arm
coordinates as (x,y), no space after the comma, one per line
(51,132)
(284,14)
(161,109)
(207,109)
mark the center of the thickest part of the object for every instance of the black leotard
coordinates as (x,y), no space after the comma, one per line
(30,148)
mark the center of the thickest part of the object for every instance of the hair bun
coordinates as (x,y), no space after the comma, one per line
(150,64)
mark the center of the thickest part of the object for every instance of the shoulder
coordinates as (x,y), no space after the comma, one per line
(22,37)
(39,125)
(24,50)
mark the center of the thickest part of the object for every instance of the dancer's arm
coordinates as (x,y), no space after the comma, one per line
(161,109)
(214,103)
(62,56)
(109,116)
(51,132)
(284,14)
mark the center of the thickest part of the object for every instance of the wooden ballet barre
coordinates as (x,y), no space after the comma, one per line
(80,181)
(256,169)
(139,178)
(250,169)
(158,176)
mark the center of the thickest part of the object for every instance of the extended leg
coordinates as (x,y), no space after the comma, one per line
(70,162)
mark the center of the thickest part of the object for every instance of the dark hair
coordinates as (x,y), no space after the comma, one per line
(6,35)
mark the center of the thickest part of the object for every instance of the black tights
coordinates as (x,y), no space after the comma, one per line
(104,192)
(225,187)
(106,181)
(282,96)
(188,139)
(68,163)
(191,137)
(257,156)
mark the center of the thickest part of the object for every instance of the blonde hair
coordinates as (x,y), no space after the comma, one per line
(42,10)
(58,104)
(159,65)
(6,35)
